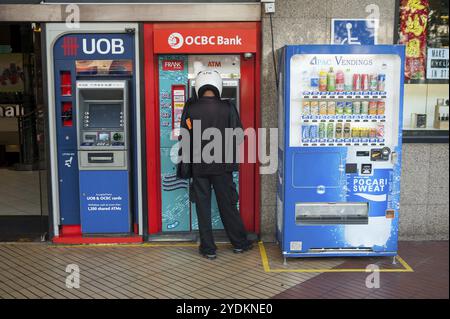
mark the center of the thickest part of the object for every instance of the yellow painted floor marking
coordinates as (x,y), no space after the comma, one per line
(266,266)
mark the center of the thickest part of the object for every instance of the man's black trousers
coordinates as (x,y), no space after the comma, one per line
(227,198)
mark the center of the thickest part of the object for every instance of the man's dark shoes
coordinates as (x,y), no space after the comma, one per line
(240,250)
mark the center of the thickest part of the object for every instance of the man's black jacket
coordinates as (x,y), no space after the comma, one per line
(213,113)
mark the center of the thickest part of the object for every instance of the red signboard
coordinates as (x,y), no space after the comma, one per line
(205,40)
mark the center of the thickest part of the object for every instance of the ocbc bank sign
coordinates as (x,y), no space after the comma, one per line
(199,41)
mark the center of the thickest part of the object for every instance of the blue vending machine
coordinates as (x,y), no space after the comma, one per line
(340,141)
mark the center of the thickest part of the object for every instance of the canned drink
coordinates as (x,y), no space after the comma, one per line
(305,132)
(372,108)
(347,130)
(314,108)
(338,130)
(340,108)
(364,82)
(366,132)
(331,108)
(380,131)
(355,132)
(365,107)
(306,108)
(380,107)
(381,82)
(357,107)
(323,107)
(372,132)
(313,132)
(322,130)
(356,82)
(373,82)
(330,130)
(348,109)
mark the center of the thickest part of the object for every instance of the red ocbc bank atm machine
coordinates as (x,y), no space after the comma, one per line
(173,55)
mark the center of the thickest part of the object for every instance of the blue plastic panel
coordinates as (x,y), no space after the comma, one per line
(104,202)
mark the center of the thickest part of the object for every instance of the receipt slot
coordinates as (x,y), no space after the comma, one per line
(102,121)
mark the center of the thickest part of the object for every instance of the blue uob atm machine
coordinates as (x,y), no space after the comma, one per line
(96,135)
(340,116)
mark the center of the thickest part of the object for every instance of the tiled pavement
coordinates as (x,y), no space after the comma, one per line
(430,279)
(35,270)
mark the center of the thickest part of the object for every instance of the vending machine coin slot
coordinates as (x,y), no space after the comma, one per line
(380,154)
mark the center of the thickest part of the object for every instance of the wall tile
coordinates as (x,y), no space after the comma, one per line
(412,221)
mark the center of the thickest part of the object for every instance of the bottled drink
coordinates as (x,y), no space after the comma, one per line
(322,130)
(330,130)
(340,108)
(314,108)
(364,82)
(380,107)
(357,107)
(305,132)
(313,132)
(323,108)
(305,81)
(356,82)
(373,82)
(365,107)
(381,82)
(380,131)
(314,80)
(347,130)
(331,80)
(306,108)
(340,81)
(348,109)
(323,81)
(348,80)
(372,108)
(331,108)
(338,131)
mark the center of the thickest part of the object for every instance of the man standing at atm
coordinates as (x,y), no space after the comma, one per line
(209,111)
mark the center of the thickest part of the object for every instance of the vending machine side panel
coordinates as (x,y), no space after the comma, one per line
(281,104)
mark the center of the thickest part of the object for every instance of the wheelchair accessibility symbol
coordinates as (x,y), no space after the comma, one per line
(354,32)
(349,39)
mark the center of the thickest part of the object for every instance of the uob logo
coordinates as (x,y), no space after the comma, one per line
(175,40)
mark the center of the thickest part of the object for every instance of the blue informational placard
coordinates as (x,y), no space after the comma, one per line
(354,31)
(104,202)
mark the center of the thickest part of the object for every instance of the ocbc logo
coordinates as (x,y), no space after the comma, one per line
(175,40)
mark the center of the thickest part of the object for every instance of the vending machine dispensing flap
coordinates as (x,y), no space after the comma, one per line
(331,213)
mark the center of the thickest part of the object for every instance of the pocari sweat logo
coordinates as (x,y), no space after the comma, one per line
(340,61)
(373,189)
(175,40)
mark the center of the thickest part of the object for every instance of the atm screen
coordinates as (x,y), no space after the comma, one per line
(105,115)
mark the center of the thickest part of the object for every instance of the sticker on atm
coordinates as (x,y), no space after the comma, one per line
(172,65)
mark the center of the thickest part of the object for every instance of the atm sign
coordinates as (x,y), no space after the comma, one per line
(172,65)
